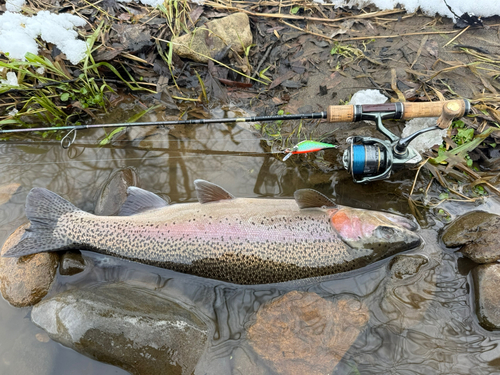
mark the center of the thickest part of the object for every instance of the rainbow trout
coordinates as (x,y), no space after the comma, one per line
(239,240)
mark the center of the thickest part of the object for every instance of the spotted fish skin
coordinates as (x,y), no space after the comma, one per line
(239,240)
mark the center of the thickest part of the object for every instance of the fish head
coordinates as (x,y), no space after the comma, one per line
(382,232)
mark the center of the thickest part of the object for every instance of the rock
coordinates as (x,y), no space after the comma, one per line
(486,285)
(403,266)
(133,37)
(241,363)
(7,191)
(71,263)
(302,333)
(214,36)
(114,191)
(136,329)
(479,232)
(408,291)
(25,281)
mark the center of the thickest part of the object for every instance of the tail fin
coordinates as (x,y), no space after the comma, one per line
(43,209)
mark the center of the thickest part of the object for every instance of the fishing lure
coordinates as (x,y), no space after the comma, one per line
(305,147)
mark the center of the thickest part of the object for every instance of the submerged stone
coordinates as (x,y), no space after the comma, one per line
(409,290)
(403,266)
(71,263)
(25,281)
(136,329)
(486,285)
(302,333)
(479,233)
(7,191)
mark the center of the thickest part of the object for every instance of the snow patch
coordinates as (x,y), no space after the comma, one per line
(483,8)
(18,33)
(11,80)
(13,112)
(14,5)
(368,97)
(424,141)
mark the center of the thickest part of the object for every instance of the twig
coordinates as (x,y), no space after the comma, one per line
(429,186)
(268,51)
(135,58)
(377,86)
(476,176)
(416,175)
(456,36)
(459,194)
(398,35)
(395,87)
(419,51)
(306,31)
(302,18)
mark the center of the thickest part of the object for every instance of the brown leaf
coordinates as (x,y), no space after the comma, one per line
(288,75)
(194,15)
(106,54)
(432,47)
(228,82)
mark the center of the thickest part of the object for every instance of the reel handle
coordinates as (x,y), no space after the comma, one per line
(446,111)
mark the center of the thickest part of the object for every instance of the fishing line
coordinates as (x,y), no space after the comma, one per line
(223,153)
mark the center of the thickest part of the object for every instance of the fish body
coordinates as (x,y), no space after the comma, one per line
(239,240)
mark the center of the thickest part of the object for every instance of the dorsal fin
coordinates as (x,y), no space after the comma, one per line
(208,192)
(140,200)
(309,198)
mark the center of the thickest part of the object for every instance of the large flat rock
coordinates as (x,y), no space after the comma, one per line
(136,329)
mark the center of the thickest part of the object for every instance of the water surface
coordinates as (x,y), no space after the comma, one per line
(427,327)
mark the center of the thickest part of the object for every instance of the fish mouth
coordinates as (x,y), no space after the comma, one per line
(391,240)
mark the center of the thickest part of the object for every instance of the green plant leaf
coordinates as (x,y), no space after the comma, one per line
(461,151)
(109,137)
(443,196)
(262,74)
(64,96)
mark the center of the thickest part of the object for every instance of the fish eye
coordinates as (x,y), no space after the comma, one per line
(385,231)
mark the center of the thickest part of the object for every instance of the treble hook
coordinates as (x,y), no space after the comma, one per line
(289,152)
(66,142)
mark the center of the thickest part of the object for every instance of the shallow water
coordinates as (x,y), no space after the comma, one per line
(425,327)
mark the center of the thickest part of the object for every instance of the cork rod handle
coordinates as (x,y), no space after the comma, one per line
(445,110)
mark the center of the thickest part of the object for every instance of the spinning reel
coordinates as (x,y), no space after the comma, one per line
(371,159)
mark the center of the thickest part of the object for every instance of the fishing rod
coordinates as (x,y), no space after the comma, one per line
(367,159)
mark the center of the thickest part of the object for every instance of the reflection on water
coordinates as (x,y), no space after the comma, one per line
(420,325)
